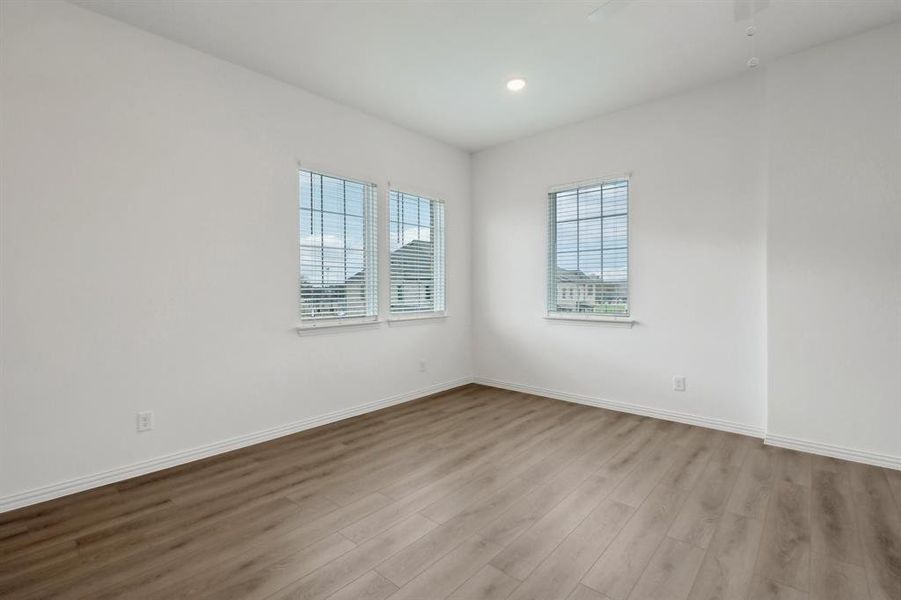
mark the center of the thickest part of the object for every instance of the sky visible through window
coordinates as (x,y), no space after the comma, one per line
(410,219)
(332,236)
(592,231)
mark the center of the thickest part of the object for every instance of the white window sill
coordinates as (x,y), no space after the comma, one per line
(603,320)
(334,325)
(407,319)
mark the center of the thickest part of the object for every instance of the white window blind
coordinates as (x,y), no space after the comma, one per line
(338,255)
(588,249)
(416,229)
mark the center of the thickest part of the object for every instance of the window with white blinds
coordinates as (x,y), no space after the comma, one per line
(416,228)
(588,254)
(338,252)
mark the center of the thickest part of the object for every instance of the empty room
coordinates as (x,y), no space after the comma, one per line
(450,299)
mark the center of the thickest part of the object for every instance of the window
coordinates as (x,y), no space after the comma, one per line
(588,250)
(416,229)
(338,256)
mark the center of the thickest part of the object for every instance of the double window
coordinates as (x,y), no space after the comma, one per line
(588,250)
(339,252)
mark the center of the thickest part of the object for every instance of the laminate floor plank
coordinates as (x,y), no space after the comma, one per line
(488,584)
(408,563)
(794,466)
(165,564)
(131,560)
(516,442)
(894,481)
(621,565)
(751,493)
(560,573)
(833,527)
(586,593)
(671,572)
(330,578)
(256,573)
(525,553)
(728,567)
(402,463)
(450,571)
(370,586)
(644,478)
(255,551)
(698,519)
(451,505)
(519,418)
(629,443)
(489,506)
(784,555)
(834,580)
(764,589)
(879,520)
(474,494)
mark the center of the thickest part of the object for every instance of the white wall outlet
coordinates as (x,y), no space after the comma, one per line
(145,420)
(678,383)
(422,366)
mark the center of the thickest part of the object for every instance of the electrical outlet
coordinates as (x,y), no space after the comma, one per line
(145,420)
(422,366)
(678,383)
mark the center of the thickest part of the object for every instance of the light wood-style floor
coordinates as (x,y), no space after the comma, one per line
(473,494)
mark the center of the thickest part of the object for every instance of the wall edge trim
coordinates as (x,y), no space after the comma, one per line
(842,452)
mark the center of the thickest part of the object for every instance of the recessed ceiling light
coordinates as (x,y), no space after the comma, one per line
(516,84)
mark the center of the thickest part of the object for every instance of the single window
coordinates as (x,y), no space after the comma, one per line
(338,256)
(588,249)
(416,229)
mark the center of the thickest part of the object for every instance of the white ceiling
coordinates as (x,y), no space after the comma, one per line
(440,67)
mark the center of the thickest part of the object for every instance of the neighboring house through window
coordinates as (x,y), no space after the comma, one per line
(588,253)
(416,230)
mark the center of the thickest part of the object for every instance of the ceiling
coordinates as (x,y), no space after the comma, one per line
(440,67)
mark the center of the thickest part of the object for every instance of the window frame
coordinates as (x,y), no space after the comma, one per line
(626,318)
(370,255)
(440,234)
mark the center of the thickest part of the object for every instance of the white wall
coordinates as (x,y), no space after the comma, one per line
(766,254)
(698,258)
(149,250)
(834,264)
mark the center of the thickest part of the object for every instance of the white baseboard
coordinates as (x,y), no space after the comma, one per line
(80,484)
(635,409)
(862,456)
